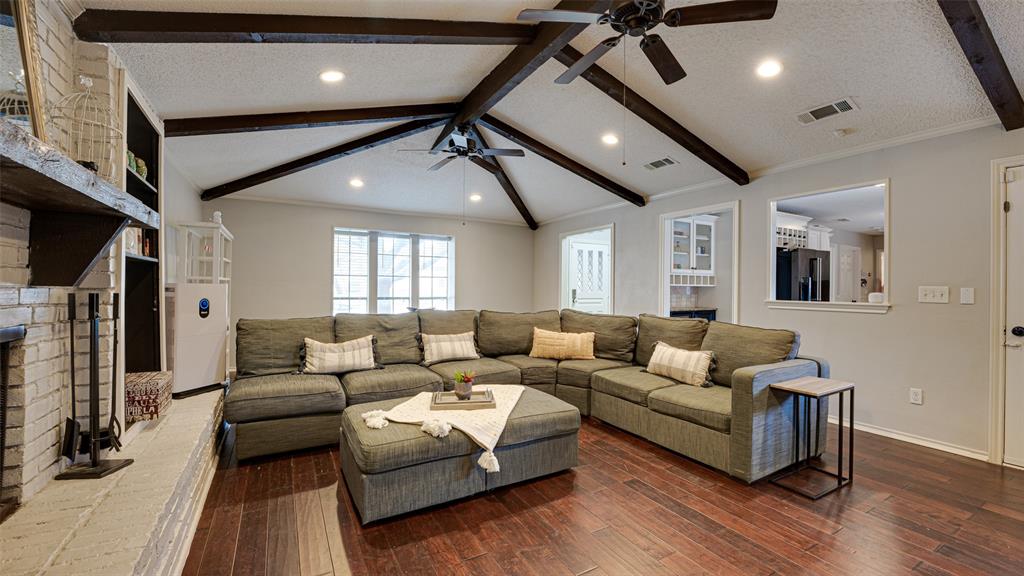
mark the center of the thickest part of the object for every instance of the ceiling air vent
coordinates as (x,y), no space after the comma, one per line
(822,112)
(666,161)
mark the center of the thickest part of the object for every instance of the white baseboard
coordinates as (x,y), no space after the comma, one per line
(918,440)
(1014,463)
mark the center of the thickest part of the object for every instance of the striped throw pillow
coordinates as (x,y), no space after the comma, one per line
(684,366)
(562,345)
(341,357)
(445,347)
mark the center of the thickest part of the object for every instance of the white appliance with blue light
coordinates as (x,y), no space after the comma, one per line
(201,330)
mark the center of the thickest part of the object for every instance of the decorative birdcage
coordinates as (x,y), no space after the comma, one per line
(82,126)
(14,105)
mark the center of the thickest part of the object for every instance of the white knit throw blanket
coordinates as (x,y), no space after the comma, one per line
(483,426)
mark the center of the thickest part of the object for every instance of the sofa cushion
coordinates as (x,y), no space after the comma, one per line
(340,357)
(708,407)
(392,381)
(685,333)
(629,383)
(738,346)
(533,370)
(485,370)
(510,333)
(562,345)
(446,347)
(577,372)
(396,334)
(536,416)
(615,336)
(274,346)
(282,396)
(447,321)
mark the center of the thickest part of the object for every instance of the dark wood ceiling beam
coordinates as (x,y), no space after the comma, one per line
(493,165)
(545,151)
(650,113)
(203,126)
(324,156)
(201,27)
(972,32)
(517,66)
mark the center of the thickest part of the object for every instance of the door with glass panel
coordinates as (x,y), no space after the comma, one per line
(587,272)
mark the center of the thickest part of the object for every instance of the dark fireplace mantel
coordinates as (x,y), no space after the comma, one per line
(76,215)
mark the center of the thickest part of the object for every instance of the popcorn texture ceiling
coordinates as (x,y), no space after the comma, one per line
(898,60)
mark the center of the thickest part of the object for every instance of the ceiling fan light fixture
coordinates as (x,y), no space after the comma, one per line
(475,197)
(331,76)
(356,183)
(610,139)
(769,68)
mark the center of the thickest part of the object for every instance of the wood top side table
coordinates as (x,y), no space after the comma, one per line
(806,389)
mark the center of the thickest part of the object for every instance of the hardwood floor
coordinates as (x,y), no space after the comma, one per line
(630,508)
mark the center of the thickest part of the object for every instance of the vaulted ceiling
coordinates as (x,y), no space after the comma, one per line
(898,60)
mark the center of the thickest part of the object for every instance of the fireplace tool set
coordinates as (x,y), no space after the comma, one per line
(94,439)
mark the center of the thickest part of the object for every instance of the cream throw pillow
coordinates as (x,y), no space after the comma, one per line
(445,347)
(338,358)
(562,345)
(681,365)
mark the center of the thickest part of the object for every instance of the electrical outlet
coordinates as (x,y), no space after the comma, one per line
(916,396)
(933,294)
(967,295)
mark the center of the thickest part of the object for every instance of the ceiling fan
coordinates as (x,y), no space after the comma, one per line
(459,146)
(637,17)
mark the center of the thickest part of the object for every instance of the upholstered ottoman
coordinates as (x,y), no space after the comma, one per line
(400,468)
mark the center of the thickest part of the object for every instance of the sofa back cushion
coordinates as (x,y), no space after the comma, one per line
(685,333)
(614,336)
(508,333)
(396,334)
(738,346)
(447,321)
(274,346)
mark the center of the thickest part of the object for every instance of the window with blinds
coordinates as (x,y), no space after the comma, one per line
(405,271)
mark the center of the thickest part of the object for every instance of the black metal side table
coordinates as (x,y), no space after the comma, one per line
(804,390)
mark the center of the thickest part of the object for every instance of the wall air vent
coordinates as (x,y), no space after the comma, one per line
(666,161)
(822,112)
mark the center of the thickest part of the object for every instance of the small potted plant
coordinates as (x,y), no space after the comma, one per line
(464,384)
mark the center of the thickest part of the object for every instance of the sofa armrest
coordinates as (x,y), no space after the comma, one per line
(823,366)
(761,439)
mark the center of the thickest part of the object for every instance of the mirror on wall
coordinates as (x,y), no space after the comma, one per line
(18,103)
(831,246)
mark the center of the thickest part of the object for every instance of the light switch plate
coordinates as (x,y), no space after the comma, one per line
(967,295)
(933,294)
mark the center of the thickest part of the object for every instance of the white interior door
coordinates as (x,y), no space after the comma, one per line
(1014,322)
(589,276)
(848,289)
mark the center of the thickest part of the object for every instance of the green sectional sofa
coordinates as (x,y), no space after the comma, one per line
(739,425)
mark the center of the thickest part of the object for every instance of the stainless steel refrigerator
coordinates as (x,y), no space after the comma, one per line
(802,274)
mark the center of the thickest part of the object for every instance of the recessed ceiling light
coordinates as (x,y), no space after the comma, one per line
(331,76)
(355,183)
(769,69)
(474,197)
(610,139)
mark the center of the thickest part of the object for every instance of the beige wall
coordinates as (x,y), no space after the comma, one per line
(181,205)
(941,217)
(283,260)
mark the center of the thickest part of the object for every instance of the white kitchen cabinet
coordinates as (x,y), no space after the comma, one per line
(692,246)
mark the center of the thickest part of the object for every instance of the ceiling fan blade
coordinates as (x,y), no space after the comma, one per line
(500,152)
(441,164)
(717,12)
(662,58)
(588,60)
(559,16)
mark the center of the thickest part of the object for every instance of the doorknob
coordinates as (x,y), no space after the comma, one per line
(573,295)
(1017,331)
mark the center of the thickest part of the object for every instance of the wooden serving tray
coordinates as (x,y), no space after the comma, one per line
(480,400)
